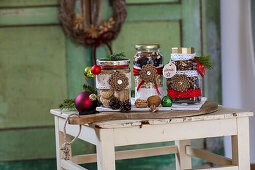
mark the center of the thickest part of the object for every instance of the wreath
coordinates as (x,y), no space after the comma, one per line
(86,30)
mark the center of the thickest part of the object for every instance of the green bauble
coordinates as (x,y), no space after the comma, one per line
(166,101)
(87,72)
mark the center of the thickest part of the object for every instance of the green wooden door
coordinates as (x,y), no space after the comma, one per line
(40,67)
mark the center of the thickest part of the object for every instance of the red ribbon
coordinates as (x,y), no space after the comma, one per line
(188,93)
(137,73)
(104,38)
(114,66)
(200,67)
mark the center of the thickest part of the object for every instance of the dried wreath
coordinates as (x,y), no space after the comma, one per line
(85,29)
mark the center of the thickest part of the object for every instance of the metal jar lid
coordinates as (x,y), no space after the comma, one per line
(147,46)
(104,62)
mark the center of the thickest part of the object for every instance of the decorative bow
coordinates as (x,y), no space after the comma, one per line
(137,73)
(103,38)
(200,67)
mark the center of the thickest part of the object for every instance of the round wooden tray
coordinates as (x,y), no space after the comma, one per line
(208,107)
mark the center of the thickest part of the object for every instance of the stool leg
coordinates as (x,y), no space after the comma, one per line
(183,161)
(105,150)
(241,144)
(59,141)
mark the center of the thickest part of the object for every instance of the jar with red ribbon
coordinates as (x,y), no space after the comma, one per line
(114,81)
(185,71)
(148,65)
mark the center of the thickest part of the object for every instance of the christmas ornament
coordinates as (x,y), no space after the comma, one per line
(93,97)
(96,69)
(88,73)
(166,101)
(125,106)
(84,104)
(114,103)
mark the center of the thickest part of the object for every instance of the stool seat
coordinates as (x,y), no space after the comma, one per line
(107,135)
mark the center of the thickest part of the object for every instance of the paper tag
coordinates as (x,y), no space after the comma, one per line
(169,70)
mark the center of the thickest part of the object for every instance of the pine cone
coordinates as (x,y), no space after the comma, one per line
(114,103)
(125,106)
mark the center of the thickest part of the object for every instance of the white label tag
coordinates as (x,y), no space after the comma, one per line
(169,70)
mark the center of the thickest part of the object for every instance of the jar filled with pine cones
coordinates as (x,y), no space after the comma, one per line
(185,85)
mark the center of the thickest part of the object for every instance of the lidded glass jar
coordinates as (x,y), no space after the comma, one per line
(148,65)
(113,81)
(185,85)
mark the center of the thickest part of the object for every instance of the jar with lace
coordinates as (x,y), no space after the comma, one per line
(148,65)
(114,81)
(184,86)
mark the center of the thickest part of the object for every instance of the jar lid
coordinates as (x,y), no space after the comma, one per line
(104,62)
(183,50)
(147,46)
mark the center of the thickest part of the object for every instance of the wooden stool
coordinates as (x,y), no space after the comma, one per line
(107,135)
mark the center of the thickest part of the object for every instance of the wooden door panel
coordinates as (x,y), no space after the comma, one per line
(33,75)
(166,33)
(150,1)
(16,3)
(154,12)
(27,144)
(28,16)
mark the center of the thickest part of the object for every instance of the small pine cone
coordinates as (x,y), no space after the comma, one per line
(114,103)
(125,106)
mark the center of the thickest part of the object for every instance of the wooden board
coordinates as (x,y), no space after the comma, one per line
(208,107)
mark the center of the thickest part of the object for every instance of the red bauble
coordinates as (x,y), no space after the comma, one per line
(83,102)
(96,69)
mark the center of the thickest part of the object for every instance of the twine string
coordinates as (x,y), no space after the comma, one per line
(65,147)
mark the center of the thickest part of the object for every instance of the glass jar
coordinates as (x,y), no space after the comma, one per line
(148,65)
(113,81)
(185,85)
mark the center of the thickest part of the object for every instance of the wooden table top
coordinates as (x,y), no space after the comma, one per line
(222,113)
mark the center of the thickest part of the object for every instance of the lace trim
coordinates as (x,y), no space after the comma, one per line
(188,93)
(178,57)
(189,73)
(102,81)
